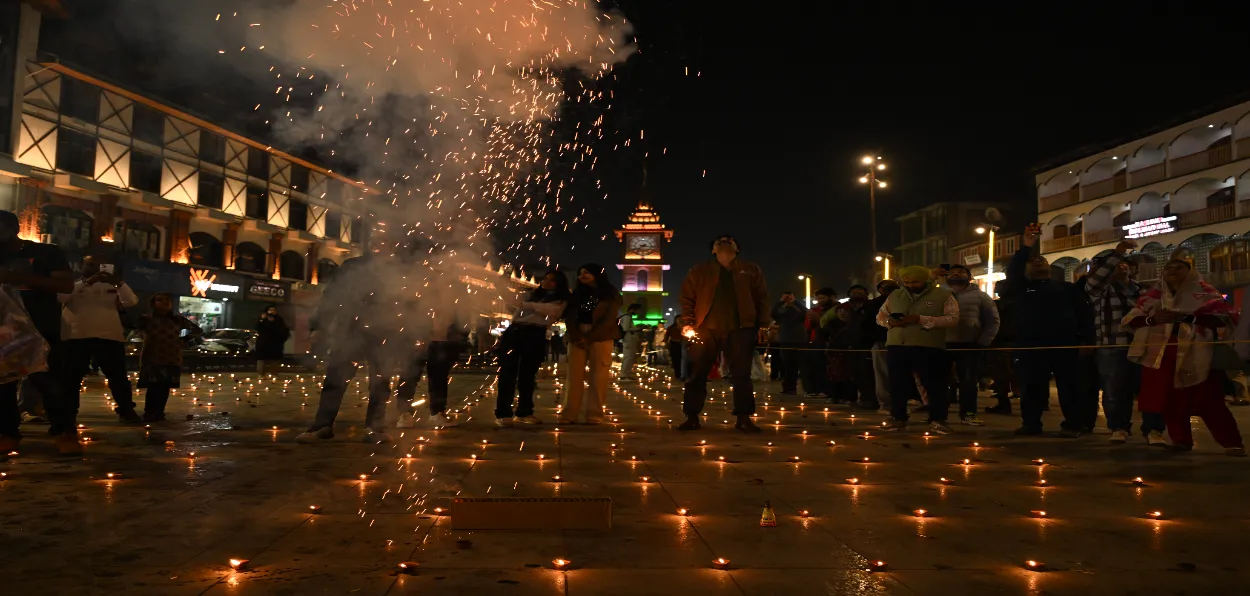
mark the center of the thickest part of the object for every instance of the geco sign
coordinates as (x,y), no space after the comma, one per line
(266,292)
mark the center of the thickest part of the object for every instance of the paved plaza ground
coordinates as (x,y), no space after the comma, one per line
(169,523)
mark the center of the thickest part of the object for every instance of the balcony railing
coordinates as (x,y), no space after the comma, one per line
(1202,160)
(1102,188)
(1066,243)
(1210,215)
(1227,279)
(1063,199)
(1149,174)
(1101,236)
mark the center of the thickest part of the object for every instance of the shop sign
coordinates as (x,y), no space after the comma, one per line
(1150,227)
(267,292)
(203,280)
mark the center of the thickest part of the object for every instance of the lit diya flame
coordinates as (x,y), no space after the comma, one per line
(1042,483)
(1039,462)
(946,481)
(408,567)
(866,460)
(1155,514)
(541,456)
(314,509)
(721,563)
(1139,482)
(364,477)
(794,458)
(645,479)
(831,443)
(113,475)
(683,512)
(561,563)
(238,564)
(805,513)
(921,513)
(852,480)
(720,458)
(557,479)
(1037,513)
(877,566)
(966,462)
(1032,565)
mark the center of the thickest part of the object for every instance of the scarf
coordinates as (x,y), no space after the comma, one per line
(1193,347)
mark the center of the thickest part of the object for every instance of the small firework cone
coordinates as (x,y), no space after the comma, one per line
(768,519)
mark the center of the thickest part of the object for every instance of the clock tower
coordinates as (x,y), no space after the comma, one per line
(643,263)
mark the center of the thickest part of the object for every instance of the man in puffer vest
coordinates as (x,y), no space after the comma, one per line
(918,315)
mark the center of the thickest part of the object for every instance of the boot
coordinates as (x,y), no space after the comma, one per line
(691,423)
(67,443)
(746,425)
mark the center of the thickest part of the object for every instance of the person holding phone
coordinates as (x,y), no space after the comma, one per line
(92,330)
(917,316)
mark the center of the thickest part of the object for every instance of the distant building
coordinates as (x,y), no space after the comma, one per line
(1182,190)
(644,263)
(927,235)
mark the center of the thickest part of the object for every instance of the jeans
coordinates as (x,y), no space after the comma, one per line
(339,372)
(969,362)
(110,355)
(597,355)
(738,346)
(437,360)
(518,369)
(933,368)
(1034,368)
(632,345)
(1120,381)
(881,372)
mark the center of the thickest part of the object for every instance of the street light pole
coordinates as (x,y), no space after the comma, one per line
(807,289)
(874,164)
(989,264)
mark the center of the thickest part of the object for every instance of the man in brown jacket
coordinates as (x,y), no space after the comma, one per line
(724,308)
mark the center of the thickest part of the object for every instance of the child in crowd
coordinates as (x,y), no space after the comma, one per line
(160,365)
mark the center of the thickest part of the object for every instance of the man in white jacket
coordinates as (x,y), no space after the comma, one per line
(91,326)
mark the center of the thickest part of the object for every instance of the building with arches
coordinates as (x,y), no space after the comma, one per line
(644,263)
(1182,191)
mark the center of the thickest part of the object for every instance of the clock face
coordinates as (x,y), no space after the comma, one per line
(644,245)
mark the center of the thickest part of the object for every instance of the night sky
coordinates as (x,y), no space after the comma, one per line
(781,100)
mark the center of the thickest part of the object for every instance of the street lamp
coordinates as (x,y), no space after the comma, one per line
(807,288)
(989,261)
(884,259)
(874,165)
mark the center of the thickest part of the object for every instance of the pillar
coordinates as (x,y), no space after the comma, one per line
(310,262)
(274,266)
(102,225)
(179,234)
(229,238)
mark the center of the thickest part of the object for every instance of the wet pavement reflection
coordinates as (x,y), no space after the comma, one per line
(221,500)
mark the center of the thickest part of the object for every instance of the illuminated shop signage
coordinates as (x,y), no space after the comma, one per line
(1150,227)
(202,280)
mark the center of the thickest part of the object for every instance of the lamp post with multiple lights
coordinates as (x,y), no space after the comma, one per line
(874,165)
(807,289)
(989,261)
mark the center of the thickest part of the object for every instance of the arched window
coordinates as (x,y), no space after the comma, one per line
(640,280)
(205,250)
(1061,231)
(137,239)
(249,257)
(291,265)
(1123,219)
(1230,256)
(1223,196)
(70,229)
(326,270)
(1075,229)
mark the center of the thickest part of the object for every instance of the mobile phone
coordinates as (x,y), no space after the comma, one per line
(897,316)
(106,268)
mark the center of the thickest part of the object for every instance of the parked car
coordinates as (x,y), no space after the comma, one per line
(227,342)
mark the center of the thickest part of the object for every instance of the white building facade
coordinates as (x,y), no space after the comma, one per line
(1182,192)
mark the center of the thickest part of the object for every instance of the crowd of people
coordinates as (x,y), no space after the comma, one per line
(934,337)
(927,339)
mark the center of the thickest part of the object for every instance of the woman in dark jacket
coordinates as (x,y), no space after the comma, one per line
(271,336)
(592,329)
(523,346)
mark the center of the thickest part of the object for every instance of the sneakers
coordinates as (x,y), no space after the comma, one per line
(503,422)
(313,435)
(885,411)
(28,418)
(940,428)
(129,416)
(1028,431)
(527,420)
(1119,436)
(67,443)
(440,420)
(1155,439)
(690,424)
(971,420)
(374,437)
(893,425)
(406,420)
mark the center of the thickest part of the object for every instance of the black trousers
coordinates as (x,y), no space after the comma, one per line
(790,359)
(674,357)
(1034,367)
(62,412)
(154,400)
(110,356)
(437,360)
(863,376)
(738,346)
(518,371)
(932,365)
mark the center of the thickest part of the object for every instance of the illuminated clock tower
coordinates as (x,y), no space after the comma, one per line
(643,266)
